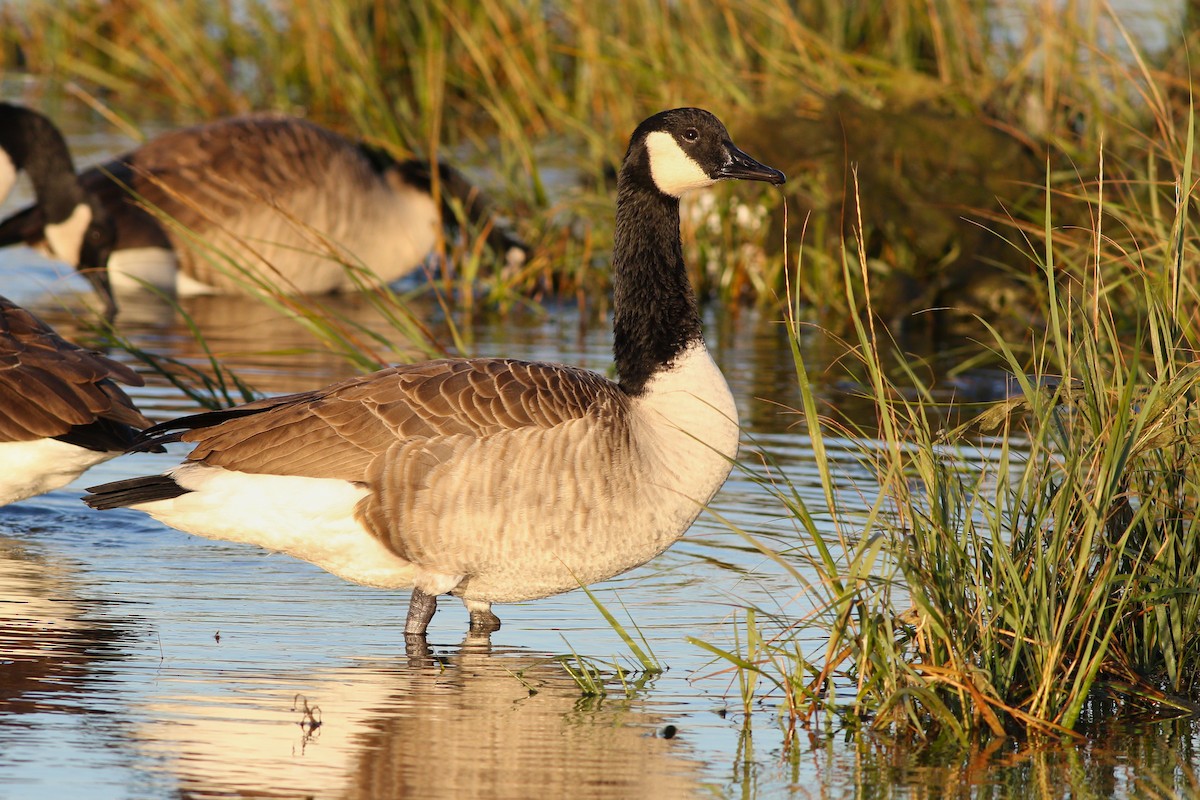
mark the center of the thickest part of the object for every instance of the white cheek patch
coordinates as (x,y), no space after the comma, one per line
(674,171)
(8,175)
(65,239)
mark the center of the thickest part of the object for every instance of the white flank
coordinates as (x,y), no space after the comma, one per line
(303,246)
(674,171)
(65,239)
(28,469)
(8,175)
(308,518)
(133,269)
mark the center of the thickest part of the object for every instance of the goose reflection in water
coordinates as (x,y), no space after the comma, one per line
(272,347)
(53,641)
(474,722)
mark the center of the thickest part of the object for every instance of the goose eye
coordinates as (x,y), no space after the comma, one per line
(691,134)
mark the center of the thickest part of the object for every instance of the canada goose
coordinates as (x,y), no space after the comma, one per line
(69,225)
(490,479)
(60,410)
(279,195)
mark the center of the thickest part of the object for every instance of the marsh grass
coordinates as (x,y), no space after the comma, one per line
(596,677)
(403,337)
(1046,552)
(540,92)
(213,388)
(642,652)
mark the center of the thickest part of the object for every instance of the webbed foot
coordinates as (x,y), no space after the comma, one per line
(482,618)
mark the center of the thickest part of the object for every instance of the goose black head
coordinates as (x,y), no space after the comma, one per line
(689,148)
(66,221)
(85,239)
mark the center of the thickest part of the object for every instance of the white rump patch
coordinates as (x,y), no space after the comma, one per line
(308,518)
(674,171)
(65,239)
(42,465)
(8,175)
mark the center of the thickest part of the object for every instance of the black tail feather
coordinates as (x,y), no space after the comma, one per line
(26,226)
(146,443)
(106,435)
(152,439)
(132,491)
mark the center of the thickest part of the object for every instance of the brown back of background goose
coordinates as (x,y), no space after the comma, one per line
(262,197)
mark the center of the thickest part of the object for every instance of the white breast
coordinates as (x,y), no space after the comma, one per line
(406,224)
(688,412)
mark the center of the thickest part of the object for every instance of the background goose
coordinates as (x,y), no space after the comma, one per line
(60,410)
(69,225)
(490,479)
(282,196)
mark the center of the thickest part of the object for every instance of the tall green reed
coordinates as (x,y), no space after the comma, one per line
(1013,566)
(542,90)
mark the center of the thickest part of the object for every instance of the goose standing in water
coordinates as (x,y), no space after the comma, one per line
(61,411)
(490,479)
(286,199)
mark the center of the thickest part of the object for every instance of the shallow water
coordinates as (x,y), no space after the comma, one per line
(139,662)
(154,662)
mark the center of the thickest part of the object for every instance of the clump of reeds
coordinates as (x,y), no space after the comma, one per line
(541,90)
(1015,567)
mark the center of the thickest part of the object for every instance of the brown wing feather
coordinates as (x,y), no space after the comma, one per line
(337,432)
(207,175)
(49,385)
(260,186)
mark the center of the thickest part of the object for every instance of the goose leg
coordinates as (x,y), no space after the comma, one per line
(420,610)
(418,652)
(482,618)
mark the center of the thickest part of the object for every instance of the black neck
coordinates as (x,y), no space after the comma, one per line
(655,312)
(36,147)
